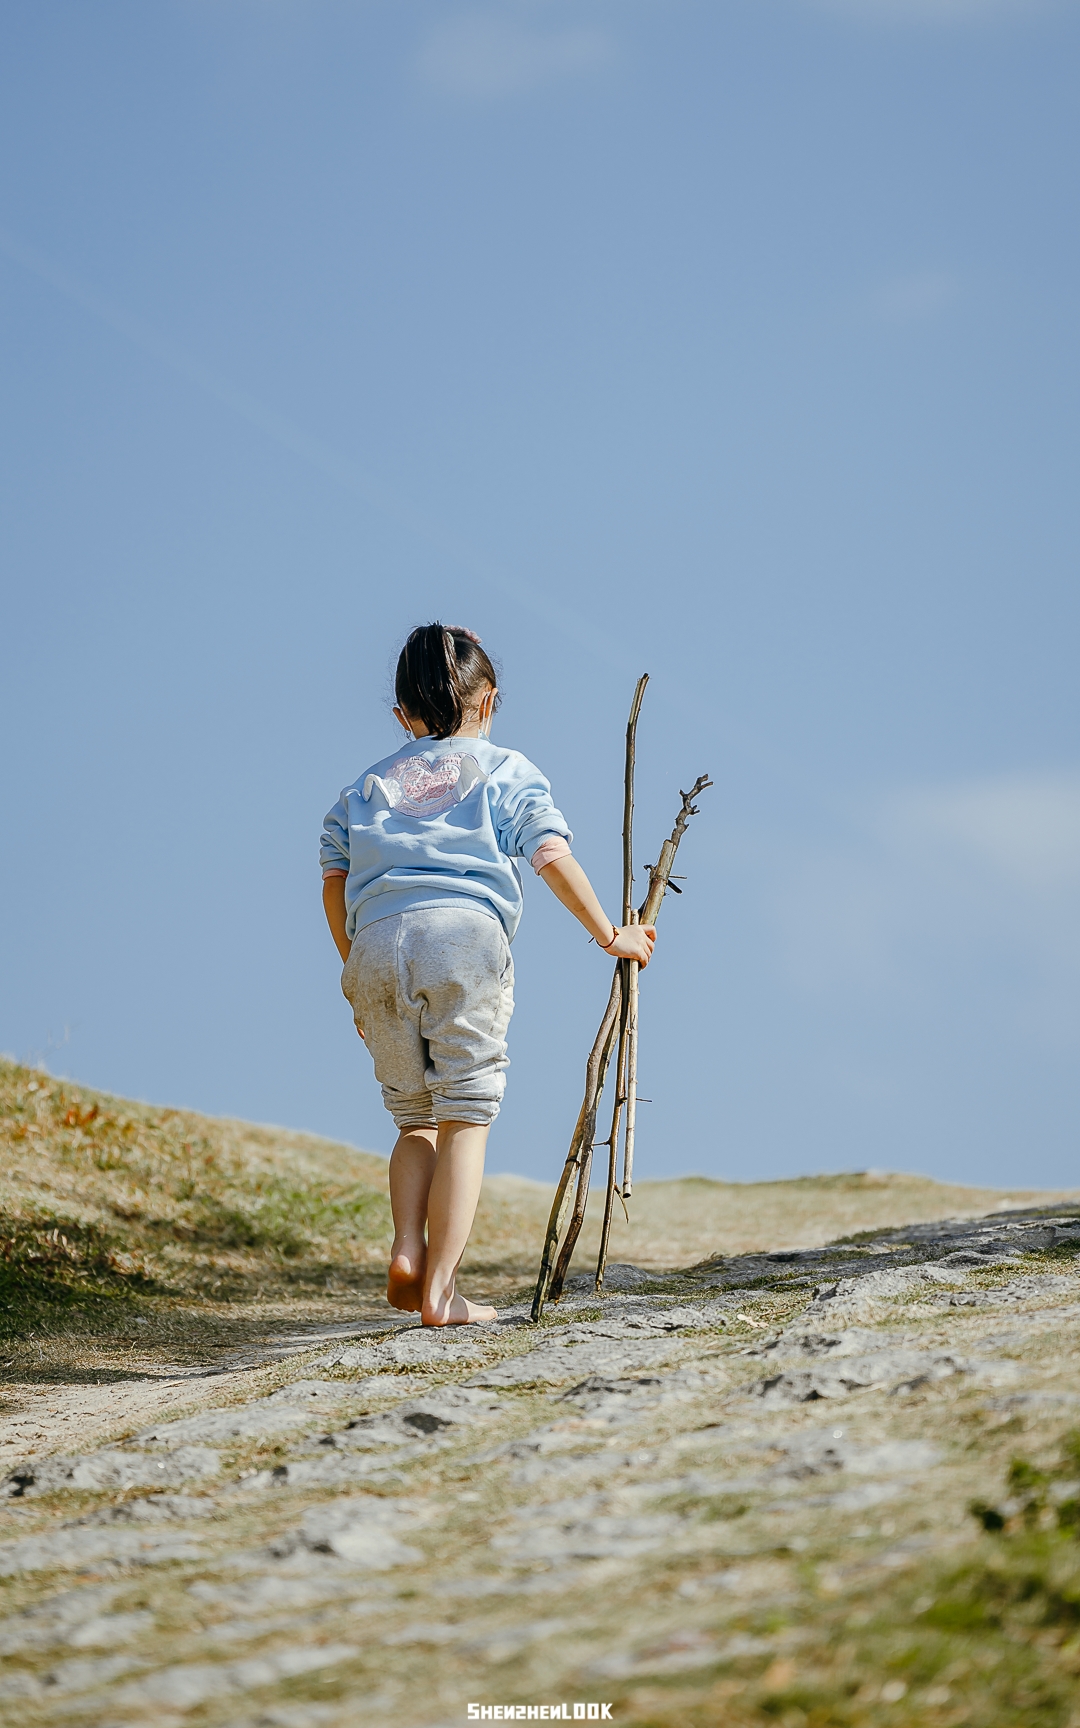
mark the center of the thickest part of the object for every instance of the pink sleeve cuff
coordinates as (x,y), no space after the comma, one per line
(548,850)
(326,875)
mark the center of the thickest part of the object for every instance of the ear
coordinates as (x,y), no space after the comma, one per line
(399,716)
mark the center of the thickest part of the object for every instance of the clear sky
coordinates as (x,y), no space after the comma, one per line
(731,340)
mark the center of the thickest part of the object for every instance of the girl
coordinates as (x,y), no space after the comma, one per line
(423,897)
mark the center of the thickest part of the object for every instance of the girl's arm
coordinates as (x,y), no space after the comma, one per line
(569,883)
(333,899)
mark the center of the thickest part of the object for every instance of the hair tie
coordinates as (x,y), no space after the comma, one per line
(460,630)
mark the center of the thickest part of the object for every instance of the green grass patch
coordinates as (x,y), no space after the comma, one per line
(54,1268)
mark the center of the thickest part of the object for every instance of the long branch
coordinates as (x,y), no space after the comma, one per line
(631,1086)
(629,969)
(660,872)
(588,1135)
(553,1269)
(612,1141)
(584,1134)
(659,881)
(628,798)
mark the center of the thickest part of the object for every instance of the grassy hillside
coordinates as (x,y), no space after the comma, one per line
(104,1202)
(201,1229)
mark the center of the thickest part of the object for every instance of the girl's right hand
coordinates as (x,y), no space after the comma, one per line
(633,942)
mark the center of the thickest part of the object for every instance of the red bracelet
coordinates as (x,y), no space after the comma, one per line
(604,946)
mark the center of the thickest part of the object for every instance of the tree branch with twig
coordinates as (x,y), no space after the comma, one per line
(618,1025)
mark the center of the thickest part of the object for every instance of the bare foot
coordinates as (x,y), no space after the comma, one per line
(456,1311)
(405,1282)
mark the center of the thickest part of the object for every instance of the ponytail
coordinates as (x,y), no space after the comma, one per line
(441,672)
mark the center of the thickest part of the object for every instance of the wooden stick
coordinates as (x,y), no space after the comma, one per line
(557,1217)
(577,1218)
(579,1156)
(613,1137)
(631,1084)
(659,878)
(628,799)
(660,872)
(553,1269)
(628,967)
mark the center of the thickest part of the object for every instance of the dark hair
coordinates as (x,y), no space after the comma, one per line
(440,672)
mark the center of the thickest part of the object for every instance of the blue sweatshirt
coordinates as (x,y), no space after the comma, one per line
(439,823)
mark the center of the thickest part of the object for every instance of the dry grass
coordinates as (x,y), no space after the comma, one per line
(113,1212)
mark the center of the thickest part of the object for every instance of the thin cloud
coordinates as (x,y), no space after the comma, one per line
(932,11)
(486,55)
(914,298)
(979,880)
(1022,830)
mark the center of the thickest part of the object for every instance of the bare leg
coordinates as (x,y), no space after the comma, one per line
(455,1189)
(412,1165)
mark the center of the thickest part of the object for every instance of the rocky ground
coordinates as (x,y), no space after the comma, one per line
(825,1485)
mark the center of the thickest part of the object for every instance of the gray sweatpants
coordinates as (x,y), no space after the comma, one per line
(433,992)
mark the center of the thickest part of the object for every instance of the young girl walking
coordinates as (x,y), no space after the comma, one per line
(423,897)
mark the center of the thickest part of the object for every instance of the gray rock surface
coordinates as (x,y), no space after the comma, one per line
(815,1454)
(111,1469)
(78,1674)
(851,1300)
(72,1547)
(266,1592)
(188,1685)
(569,1532)
(881,1371)
(316,1394)
(593,1348)
(58,1620)
(619,1276)
(414,1346)
(679,1654)
(154,1509)
(256,1421)
(423,1419)
(363,1531)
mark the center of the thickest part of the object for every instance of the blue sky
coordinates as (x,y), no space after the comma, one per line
(731,340)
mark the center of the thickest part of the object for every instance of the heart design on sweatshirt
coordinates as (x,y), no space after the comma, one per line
(426,785)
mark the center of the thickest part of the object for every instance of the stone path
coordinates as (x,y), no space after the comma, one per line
(391,1522)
